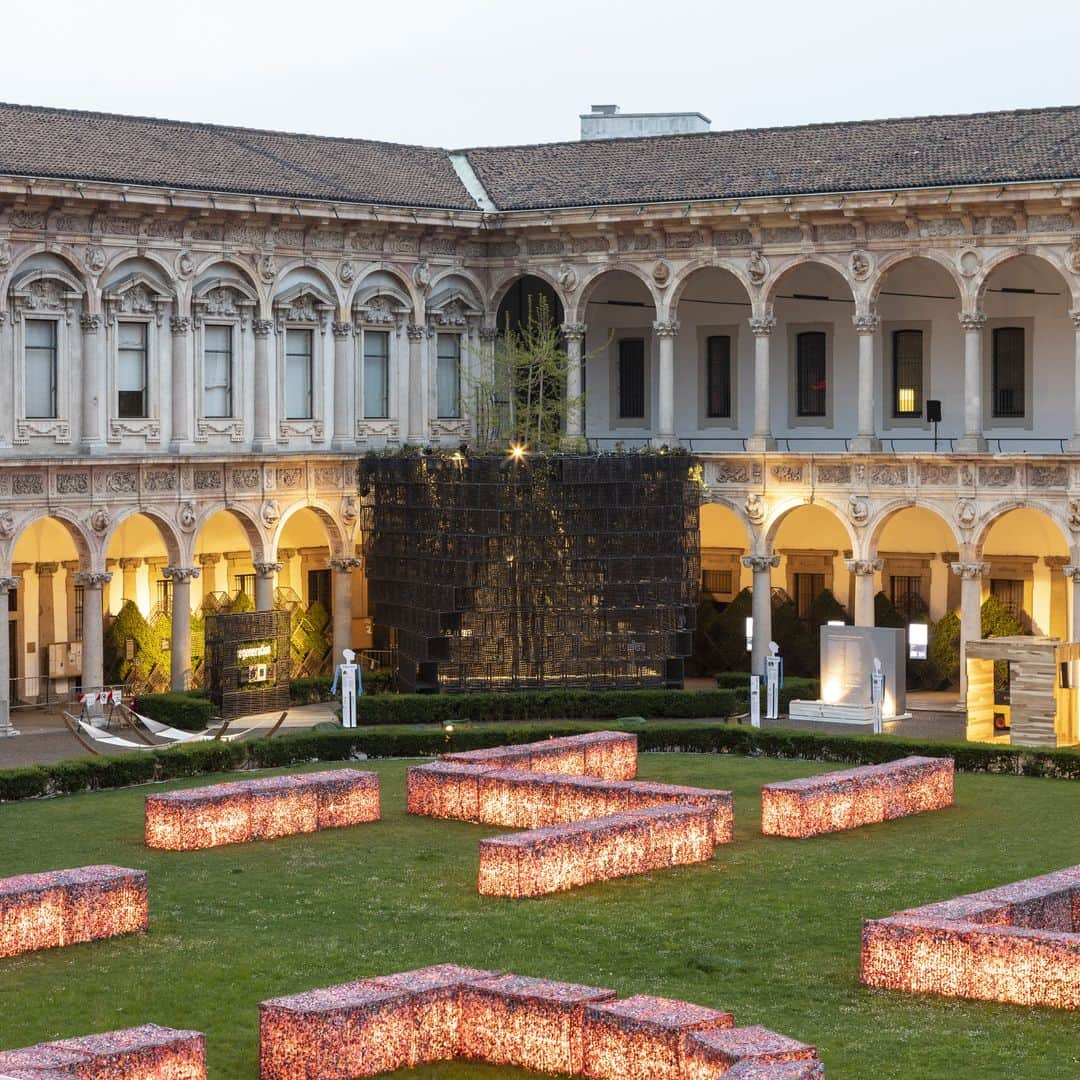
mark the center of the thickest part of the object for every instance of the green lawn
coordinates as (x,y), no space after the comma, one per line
(768,930)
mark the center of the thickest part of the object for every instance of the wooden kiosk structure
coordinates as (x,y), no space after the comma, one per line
(1043,691)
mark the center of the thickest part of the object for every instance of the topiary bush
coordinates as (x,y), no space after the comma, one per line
(189,710)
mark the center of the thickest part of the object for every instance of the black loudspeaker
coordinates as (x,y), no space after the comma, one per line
(933,411)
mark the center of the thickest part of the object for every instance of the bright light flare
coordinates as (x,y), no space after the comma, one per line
(833,802)
(517,451)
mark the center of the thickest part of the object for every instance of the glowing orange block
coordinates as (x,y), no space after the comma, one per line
(148,1052)
(609,755)
(516,798)
(850,798)
(444,789)
(562,857)
(719,803)
(261,809)
(1019,943)
(764,1070)
(531,1023)
(642,1038)
(709,1054)
(63,907)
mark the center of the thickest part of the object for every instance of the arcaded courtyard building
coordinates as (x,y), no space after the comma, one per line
(202,327)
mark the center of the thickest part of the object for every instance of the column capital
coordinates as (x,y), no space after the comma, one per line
(43,569)
(130,563)
(866,324)
(972,320)
(209,558)
(573,331)
(179,325)
(666,329)
(970,571)
(341,329)
(762,326)
(91,324)
(262,327)
(760,563)
(488,333)
(1074,314)
(1071,570)
(8,583)
(415,332)
(343,566)
(93,579)
(864,567)
(267,569)
(181,574)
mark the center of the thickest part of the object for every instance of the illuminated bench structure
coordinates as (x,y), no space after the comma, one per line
(531,800)
(378,1025)
(563,857)
(64,907)
(608,755)
(141,1053)
(847,799)
(237,812)
(1019,943)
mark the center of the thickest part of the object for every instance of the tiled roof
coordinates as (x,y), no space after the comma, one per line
(166,153)
(982,148)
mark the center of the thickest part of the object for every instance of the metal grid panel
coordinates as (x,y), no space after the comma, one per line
(224,635)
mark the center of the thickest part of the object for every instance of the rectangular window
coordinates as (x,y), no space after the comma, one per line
(808,587)
(164,595)
(77,629)
(40,392)
(905,592)
(245,583)
(319,590)
(1008,371)
(376,374)
(217,371)
(811,374)
(131,369)
(718,377)
(448,376)
(299,355)
(632,379)
(716,582)
(1010,592)
(907,373)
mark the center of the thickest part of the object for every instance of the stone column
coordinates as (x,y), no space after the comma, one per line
(344,391)
(46,633)
(1072,572)
(664,431)
(183,411)
(416,403)
(130,585)
(973,323)
(762,438)
(864,570)
(261,428)
(574,335)
(343,569)
(208,562)
(761,607)
(865,441)
(6,585)
(7,373)
(971,575)
(93,629)
(92,388)
(264,584)
(1074,442)
(180,641)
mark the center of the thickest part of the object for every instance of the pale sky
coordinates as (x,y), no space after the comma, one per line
(479,72)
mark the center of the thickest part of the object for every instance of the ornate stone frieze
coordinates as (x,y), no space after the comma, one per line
(73,483)
(71,223)
(28,484)
(289,477)
(833,474)
(681,239)
(887,230)
(246,479)
(122,482)
(57,430)
(941,227)
(729,238)
(590,245)
(28,219)
(787,474)
(299,429)
(545,245)
(327,476)
(440,245)
(831,233)
(148,428)
(784,234)
(1050,223)
(637,242)
(208,231)
(156,480)
(326,239)
(207,427)
(163,229)
(1045,476)
(289,237)
(996,476)
(889,475)
(207,479)
(728,472)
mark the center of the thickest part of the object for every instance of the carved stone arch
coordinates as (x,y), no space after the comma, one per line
(988,520)
(123,255)
(891,261)
(67,256)
(682,278)
(770,285)
(174,543)
(329,286)
(304,302)
(475,283)
(738,509)
(246,518)
(784,507)
(404,284)
(225,297)
(1010,255)
(503,282)
(89,549)
(337,540)
(588,285)
(381,304)
(254,289)
(139,294)
(454,307)
(876,525)
(47,289)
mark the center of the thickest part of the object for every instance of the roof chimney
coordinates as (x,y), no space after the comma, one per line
(606,122)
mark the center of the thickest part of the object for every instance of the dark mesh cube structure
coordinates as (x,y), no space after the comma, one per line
(228,673)
(545,572)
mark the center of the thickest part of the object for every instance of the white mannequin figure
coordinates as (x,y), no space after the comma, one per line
(877,694)
(774,679)
(349,673)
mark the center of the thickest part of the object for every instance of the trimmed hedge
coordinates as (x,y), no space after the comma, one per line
(309,691)
(188,710)
(549,705)
(95,773)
